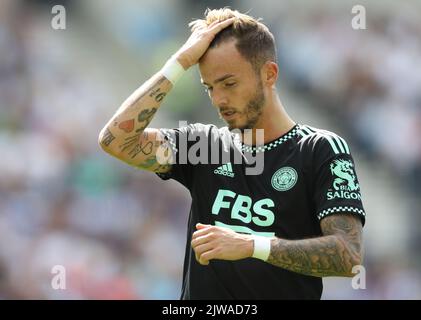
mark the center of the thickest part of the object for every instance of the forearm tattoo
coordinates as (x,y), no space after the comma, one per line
(152,164)
(152,91)
(129,126)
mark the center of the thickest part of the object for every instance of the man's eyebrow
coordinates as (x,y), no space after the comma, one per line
(219,79)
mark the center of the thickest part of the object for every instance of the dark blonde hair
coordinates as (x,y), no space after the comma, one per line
(254,41)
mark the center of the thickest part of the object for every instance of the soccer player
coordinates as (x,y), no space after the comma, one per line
(271,235)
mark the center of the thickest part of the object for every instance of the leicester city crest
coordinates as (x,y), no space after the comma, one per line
(284,179)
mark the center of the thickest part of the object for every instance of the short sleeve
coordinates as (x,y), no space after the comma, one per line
(336,185)
(180,140)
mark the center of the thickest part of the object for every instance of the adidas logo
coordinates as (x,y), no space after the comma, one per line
(225,170)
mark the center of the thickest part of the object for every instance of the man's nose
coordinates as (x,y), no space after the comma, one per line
(219,99)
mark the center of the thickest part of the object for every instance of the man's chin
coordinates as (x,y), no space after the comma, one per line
(234,126)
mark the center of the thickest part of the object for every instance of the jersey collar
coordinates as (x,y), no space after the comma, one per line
(268,146)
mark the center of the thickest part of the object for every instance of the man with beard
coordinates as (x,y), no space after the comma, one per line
(270,235)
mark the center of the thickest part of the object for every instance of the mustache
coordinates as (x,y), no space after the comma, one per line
(227,109)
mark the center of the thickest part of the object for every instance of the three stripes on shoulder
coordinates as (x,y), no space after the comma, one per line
(337,143)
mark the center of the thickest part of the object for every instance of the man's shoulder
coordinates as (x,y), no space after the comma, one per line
(321,139)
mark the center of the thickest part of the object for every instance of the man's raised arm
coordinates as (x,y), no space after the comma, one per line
(126,136)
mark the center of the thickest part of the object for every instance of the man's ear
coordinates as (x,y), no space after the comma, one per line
(269,73)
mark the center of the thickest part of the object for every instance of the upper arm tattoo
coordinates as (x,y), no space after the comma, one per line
(162,158)
(108,137)
(346,225)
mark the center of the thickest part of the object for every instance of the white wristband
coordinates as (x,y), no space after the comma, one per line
(172,70)
(261,247)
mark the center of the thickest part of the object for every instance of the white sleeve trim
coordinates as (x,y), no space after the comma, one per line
(332,210)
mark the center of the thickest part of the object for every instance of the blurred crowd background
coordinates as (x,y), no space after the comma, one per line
(120,232)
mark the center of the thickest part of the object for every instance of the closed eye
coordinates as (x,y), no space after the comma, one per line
(226,85)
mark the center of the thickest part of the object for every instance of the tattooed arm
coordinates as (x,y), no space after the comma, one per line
(333,254)
(126,135)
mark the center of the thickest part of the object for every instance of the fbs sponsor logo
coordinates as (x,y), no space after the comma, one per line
(242,208)
(225,170)
(345,183)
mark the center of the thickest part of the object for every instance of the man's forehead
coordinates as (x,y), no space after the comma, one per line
(214,73)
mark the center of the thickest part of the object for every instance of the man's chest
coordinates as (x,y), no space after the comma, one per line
(264,204)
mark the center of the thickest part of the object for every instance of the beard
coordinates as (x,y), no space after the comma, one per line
(252,112)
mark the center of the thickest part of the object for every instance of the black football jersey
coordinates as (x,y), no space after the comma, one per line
(305,175)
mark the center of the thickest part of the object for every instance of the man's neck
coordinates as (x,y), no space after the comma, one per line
(274,121)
